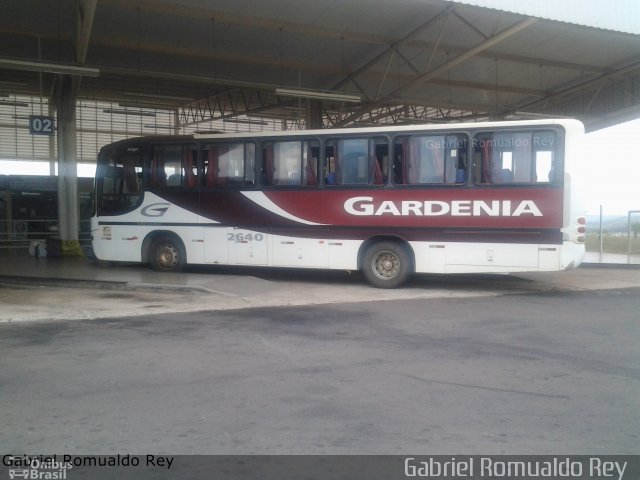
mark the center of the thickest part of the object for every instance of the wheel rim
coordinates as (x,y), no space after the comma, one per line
(167,256)
(385,265)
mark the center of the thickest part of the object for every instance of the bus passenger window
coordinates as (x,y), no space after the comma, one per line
(287,163)
(249,164)
(522,157)
(544,163)
(311,160)
(544,166)
(290,163)
(432,159)
(357,161)
(229,165)
(174,166)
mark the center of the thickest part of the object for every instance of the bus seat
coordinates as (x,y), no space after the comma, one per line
(506,176)
(331,178)
(460,175)
(174,180)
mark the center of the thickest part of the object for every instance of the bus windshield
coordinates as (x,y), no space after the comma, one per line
(118,182)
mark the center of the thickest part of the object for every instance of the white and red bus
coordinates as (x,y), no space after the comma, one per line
(390,201)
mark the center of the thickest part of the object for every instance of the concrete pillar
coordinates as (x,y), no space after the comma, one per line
(52,143)
(9,216)
(314,114)
(68,209)
(176,122)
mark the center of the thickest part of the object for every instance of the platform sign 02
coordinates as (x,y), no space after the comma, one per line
(41,125)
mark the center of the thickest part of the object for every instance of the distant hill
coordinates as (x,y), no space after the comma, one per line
(610,223)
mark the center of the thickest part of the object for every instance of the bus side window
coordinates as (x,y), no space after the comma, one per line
(378,161)
(544,163)
(356,161)
(229,165)
(482,160)
(157,174)
(310,161)
(400,148)
(354,168)
(430,159)
(290,163)
(514,157)
(167,166)
(249,164)
(330,165)
(132,174)
(312,155)
(287,163)
(267,164)
(493,159)
(174,166)
(210,161)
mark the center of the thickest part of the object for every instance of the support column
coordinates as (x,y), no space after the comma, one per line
(9,216)
(52,143)
(314,114)
(68,209)
(176,122)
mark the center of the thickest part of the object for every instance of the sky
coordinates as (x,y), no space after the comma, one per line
(611,173)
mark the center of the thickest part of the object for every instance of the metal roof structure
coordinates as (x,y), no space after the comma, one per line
(400,61)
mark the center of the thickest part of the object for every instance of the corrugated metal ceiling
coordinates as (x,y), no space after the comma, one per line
(450,56)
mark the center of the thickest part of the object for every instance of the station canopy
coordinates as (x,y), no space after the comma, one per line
(330,63)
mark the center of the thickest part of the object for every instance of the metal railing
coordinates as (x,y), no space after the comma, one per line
(616,239)
(23,234)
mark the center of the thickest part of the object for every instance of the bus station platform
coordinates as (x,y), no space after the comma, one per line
(75,288)
(312,286)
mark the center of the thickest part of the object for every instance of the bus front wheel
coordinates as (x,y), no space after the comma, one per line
(167,254)
(386,264)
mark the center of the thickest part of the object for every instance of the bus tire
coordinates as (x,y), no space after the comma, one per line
(387,264)
(167,254)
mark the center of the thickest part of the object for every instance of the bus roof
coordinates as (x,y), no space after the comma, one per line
(393,128)
(572,124)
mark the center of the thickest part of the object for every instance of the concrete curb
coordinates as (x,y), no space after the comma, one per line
(62,282)
(610,265)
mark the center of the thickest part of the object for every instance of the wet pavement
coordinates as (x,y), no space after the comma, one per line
(40,289)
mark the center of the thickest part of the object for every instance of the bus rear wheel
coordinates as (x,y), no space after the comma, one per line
(167,254)
(386,264)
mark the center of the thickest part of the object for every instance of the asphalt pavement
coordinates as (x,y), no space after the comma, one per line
(543,372)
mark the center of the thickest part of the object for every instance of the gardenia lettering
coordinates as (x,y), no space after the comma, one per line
(365,206)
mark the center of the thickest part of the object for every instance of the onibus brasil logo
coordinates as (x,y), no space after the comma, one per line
(36,468)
